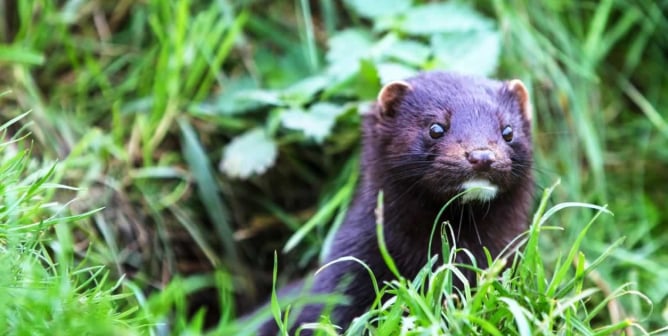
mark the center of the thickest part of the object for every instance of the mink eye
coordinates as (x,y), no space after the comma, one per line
(507,133)
(436,131)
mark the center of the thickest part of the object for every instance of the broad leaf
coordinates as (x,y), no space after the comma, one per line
(240,96)
(350,44)
(316,123)
(447,17)
(346,49)
(259,96)
(303,91)
(250,153)
(473,52)
(409,52)
(378,8)
(392,71)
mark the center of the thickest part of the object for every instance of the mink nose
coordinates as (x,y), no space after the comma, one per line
(481,159)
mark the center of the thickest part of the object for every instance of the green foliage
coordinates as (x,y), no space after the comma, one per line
(138,101)
(379,9)
(522,299)
(251,153)
(316,123)
(403,40)
(590,133)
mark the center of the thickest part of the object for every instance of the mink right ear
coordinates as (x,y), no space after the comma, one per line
(520,91)
(390,95)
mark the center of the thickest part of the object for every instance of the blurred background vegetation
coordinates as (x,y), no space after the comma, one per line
(210,134)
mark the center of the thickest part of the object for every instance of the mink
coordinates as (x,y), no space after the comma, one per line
(427,139)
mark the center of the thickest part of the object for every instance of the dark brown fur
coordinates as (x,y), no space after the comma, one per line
(419,174)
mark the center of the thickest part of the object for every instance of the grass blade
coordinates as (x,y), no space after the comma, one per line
(207,188)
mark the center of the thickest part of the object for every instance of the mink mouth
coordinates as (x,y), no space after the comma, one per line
(447,179)
(445,176)
(479,189)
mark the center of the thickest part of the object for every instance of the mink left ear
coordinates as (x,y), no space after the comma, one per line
(522,94)
(390,95)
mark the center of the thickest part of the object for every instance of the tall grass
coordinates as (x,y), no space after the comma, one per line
(518,294)
(52,282)
(594,132)
(107,103)
(42,289)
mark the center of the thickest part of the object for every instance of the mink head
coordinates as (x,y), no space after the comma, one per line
(442,133)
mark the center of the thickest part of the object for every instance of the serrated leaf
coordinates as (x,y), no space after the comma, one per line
(316,123)
(240,96)
(410,52)
(447,17)
(472,52)
(263,97)
(251,153)
(303,91)
(378,8)
(392,71)
(238,103)
(349,44)
(346,49)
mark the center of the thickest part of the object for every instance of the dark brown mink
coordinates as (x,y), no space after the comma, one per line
(426,140)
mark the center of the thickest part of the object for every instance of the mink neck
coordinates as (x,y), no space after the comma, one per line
(410,210)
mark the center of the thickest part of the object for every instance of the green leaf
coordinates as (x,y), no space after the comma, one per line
(410,52)
(242,95)
(263,97)
(250,153)
(350,44)
(447,17)
(303,91)
(472,52)
(346,49)
(367,81)
(317,123)
(393,71)
(378,8)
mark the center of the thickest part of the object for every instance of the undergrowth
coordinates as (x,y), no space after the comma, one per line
(518,294)
(42,289)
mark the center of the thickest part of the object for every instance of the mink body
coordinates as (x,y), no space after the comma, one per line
(419,167)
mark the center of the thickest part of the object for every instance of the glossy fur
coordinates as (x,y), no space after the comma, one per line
(419,174)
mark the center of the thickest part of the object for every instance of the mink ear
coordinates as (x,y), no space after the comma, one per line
(517,88)
(390,95)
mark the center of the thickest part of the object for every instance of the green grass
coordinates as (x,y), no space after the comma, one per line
(529,298)
(50,285)
(42,290)
(134,104)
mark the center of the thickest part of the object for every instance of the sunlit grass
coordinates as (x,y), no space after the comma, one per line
(520,295)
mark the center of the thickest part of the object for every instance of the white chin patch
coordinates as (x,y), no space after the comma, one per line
(479,189)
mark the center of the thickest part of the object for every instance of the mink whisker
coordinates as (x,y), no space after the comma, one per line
(475,225)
